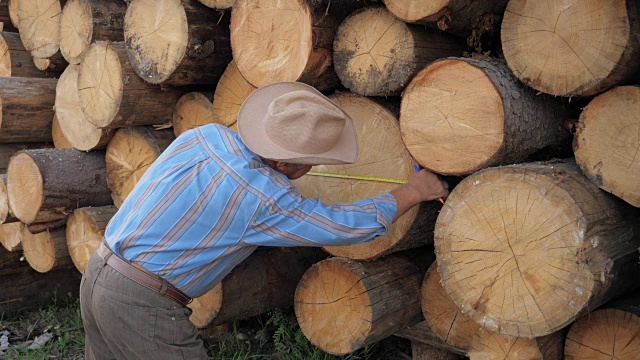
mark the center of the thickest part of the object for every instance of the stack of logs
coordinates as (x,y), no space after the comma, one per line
(537,260)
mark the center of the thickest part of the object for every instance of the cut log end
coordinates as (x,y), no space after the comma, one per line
(41,64)
(59,140)
(100,84)
(13,12)
(76,30)
(567,49)
(4,199)
(156,35)
(40,24)
(206,307)
(46,251)
(463,104)
(26,187)
(334,315)
(218,4)
(231,92)
(512,228)
(487,345)
(11,236)
(85,231)
(5,58)
(417,10)
(267,46)
(442,315)
(192,110)
(607,143)
(604,334)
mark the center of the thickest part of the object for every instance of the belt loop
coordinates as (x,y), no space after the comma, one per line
(164,287)
(106,258)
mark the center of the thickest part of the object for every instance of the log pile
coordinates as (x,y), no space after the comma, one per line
(527,247)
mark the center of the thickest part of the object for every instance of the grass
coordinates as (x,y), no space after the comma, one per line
(273,335)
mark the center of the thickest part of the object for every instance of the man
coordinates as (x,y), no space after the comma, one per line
(208,202)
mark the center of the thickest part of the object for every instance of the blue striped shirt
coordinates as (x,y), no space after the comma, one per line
(208,202)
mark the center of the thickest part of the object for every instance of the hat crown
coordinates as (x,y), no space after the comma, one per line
(303,122)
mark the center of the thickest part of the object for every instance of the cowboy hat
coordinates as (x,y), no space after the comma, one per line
(293,122)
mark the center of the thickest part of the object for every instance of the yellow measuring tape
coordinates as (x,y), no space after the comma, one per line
(357,177)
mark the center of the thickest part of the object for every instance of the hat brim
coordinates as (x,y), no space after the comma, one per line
(251,127)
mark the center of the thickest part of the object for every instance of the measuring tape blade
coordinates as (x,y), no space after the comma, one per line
(357,177)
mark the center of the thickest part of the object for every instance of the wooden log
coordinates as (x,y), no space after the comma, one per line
(269,47)
(442,315)
(382,154)
(8,150)
(455,16)
(27,109)
(59,140)
(192,110)
(6,16)
(421,333)
(16,61)
(11,236)
(112,95)
(526,249)
(13,14)
(231,92)
(176,42)
(47,184)
(426,352)
(607,333)
(490,345)
(40,24)
(218,4)
(47,250)
(75,127)
(129,154)
(85,232)
(343,304)
(460,115)
(23,288)
(607,143)
(572,49)
(85,21)
(266,280)
(6,215)
(383,62)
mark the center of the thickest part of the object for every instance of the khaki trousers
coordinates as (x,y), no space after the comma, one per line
(125,320)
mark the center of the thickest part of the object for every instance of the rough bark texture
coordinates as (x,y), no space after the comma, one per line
(423,334)
(129,154)
(86,21)
(460,115)
(194,48)
(607,142)
(266,280)
(56,181)
(46,251)
(376,54)
(85,232)
(489,345)
(382,154)
(526,249)
(27,109)
(16,61)
(595,44)
(343,304)
(426,352)
(124,100)
(23,288)
(8,150)
(269,47)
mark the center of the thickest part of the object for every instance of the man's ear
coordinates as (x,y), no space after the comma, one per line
(282,166)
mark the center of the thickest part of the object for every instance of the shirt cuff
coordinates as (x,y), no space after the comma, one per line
(387,206)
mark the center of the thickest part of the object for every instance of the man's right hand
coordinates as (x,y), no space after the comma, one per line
(423,186)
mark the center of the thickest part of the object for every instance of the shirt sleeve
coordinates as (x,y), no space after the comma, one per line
(289,219)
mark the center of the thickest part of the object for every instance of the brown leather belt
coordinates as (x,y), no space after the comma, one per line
(142,276)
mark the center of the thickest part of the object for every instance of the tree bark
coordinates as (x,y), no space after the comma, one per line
(343,304)
(595,45)
(266,280)
(383,62)
(46,251)
(382,154)
(269,47)
(176,42)
(231,92)
(426,352)
(125,99)
(129,154)
(85,21)
(47,184)
(461,115)
(489,345)
(40,24)
(85,232)
(11,236)
(526,249)
(17,61)
(421,333)
(607,143)
(8,150)
(607,333)
(75,128)
(192,110)
(27,109)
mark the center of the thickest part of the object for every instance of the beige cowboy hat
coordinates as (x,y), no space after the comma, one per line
(293,122)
